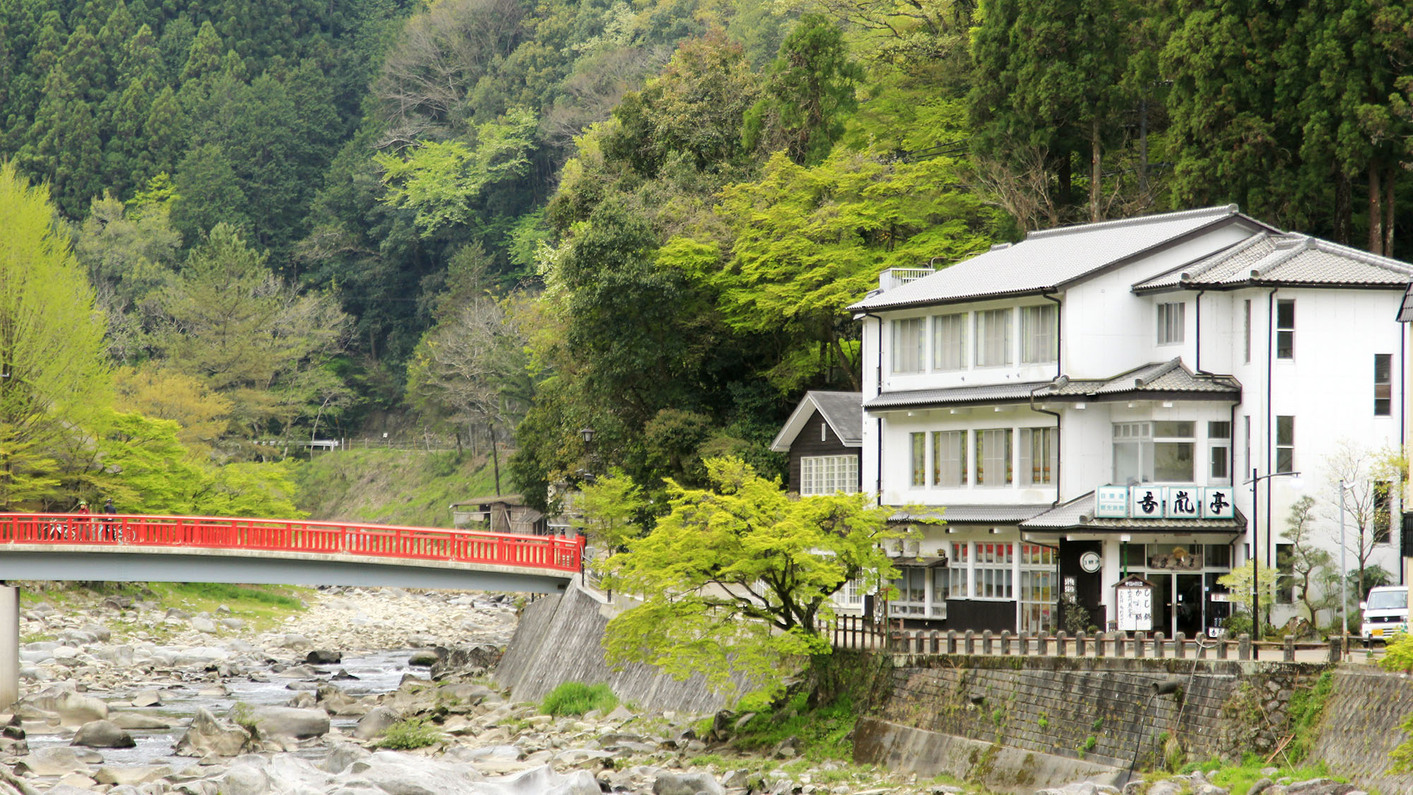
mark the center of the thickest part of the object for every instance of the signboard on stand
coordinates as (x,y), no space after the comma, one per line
(1133,604)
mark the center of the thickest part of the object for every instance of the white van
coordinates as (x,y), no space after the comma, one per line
(1385,613)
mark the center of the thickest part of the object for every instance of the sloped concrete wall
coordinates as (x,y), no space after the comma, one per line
(559,639)
(1363,723)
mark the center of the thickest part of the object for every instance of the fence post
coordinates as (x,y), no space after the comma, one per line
(1159,650)
(986,641)
(1120,640)
(1334,650)
(951,641)
(1062,642)
(1042,644)
(1025,644)
(1243,647)
(1222,644)
(969,642)
(1005,642)
(1079,641)
(1140,644)
(1178,650)
(1290,648)
(1099,640)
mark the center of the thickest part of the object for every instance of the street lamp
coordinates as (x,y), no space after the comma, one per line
(1254,482)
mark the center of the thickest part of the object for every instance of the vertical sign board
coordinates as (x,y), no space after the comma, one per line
(1133,604)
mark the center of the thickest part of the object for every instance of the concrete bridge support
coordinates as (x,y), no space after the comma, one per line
(9,645)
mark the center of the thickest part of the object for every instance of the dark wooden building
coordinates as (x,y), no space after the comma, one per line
(824,438)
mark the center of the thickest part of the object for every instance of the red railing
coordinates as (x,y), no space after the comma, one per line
(555,553)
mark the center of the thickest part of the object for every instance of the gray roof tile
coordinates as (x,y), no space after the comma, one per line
(1284,258)
(1078,513)
(1050,258)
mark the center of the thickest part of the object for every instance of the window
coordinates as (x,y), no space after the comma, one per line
(1171,323)
(949,458)
(851,594)
(1382,530)
(1248,331)
(919,459)
(1285,329)
(1285,444)
(993,457)
(1383,384)
(909,342)
(1246,424)
(829,474)
(1219,452)
(960,561)
(1133,452)
(912,592)
(1038,335)
(1173,451)
(994,570)
(1038,456)
(993,338)
(941,586)
(949,342)
(1037,588)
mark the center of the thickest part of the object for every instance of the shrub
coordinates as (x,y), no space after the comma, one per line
(408,734)
(577,698)
(1398,654)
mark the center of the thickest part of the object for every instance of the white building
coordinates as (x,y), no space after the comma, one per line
(1043,397)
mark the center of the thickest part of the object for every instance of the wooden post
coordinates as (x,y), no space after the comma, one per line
(9,645)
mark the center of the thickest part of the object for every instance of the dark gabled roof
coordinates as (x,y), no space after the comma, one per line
(1168,380)
(1287,259)
(1078,514)
(1051,259)
(841,410)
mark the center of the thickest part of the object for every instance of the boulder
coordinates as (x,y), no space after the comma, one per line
(103,734)
(132,776)
(375,723)
(209,737)
(56,761)
(138,720)
(323,657)
(290,722)
(686,784)
(203,624)
(75,709)
(424,658)
(403,774)
(147,698)
(245,780)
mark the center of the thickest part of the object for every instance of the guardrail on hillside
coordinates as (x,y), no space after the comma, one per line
(853,632)
(283,535)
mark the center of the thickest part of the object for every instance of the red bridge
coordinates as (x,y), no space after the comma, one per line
(109,547)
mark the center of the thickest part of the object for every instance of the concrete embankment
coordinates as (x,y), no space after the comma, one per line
(560,639)
(1363,723)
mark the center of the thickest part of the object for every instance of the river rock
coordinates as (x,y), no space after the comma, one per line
(424,658)
(375,723)
(103,734)
(203,624)
(75,710)
(245,779)
(324,657)
(56,761)
(132,776)
(290,722)
(400,774)
(209,737)
(147,698)
(686,784)
(138,720)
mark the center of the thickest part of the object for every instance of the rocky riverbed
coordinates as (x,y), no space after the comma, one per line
(121,696)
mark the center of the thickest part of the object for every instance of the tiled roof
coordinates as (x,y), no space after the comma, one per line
(1078,513)
(971,514)
(1170,379)
(839,409)
(1284,259)
(1047,259)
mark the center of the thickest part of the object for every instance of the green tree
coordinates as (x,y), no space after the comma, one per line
(738,575)
(1308,565)
(809,91)
(52,375)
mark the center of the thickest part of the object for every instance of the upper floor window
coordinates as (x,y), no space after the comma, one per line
(993,338)
(1383,384)
(919,458)
(1246,329)
(1147,451)
(1133,452)
(1171,323)
(1038,337)
(909,344)
(829,474)
(993,457)
(1285,329)
(949,458)
(1219,452)
(1039,456)
(1285,444)
(949,341)
(1383,511)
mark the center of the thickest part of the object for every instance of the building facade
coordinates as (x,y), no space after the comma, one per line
(822,438)
(1146,397)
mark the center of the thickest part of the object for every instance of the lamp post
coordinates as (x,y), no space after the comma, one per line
(1254,483)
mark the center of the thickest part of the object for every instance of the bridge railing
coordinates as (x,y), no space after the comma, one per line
(284,535)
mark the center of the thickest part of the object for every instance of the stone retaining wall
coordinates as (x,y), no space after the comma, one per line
(1109,712)
(1362,724)
(559,639)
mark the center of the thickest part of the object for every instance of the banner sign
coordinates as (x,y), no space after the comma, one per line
(1164,502)
(1133,605)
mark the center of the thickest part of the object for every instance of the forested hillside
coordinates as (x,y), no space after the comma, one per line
(513,218)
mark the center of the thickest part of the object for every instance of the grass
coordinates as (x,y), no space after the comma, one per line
(577,698)
(404,487)
(1239,778)
(406,735)
(260,606)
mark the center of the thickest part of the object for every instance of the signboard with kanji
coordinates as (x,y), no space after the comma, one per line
(1164,502)
(1111,502)
(1133,605)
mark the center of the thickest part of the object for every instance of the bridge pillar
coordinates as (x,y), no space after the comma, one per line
(9,645)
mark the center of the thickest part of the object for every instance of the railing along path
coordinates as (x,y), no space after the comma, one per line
(284,535)
(853,632)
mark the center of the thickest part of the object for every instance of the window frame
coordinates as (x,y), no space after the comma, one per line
(959,437)
(961,321)
(1383,385)
(1038,337)
(1047,440)
(1285,443)
(1006,459)
(1219,449)
(837,469)
(1172,322)
(986,329)
(1285,329)
(909,336)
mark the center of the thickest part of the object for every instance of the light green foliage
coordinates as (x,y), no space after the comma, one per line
(51,343)
(438,180)
(249,488)
(1238,583)
(144,468)
(609,506)
(735,577)
(406,735)
(1398,654)
(577,698)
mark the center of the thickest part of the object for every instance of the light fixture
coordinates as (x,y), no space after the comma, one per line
(952,411)
(998,409)
(1167,404)
(1131,405)
(588,434)
(1079,406)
